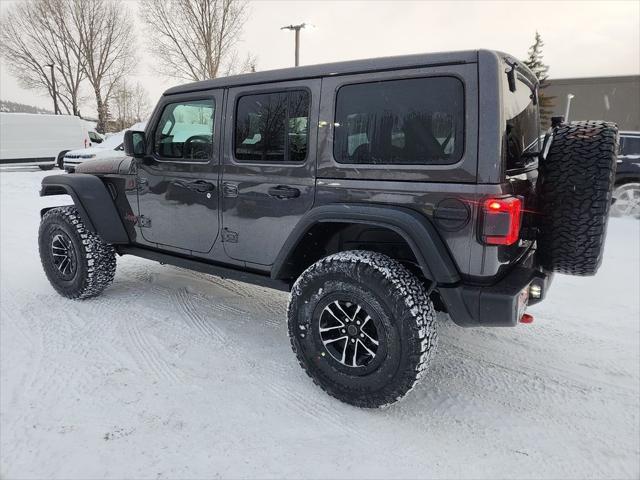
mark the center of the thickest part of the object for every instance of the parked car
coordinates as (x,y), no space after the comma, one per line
(110,147)
(627,188)
(375,191)
(42,140)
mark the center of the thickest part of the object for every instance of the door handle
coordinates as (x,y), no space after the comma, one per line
(201,186)
(282,192)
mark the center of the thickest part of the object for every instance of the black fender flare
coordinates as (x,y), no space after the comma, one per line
(93,201)
(422,237)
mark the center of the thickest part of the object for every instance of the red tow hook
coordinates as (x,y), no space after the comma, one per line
(526,318)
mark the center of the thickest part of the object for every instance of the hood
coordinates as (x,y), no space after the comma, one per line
(85,151)
(122,165)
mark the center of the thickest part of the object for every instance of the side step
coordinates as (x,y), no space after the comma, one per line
(204,267)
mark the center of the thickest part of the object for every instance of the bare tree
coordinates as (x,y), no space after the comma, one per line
(105,42)
(35,34)
(141,104)
(121,106)
(194,39)
(130,104)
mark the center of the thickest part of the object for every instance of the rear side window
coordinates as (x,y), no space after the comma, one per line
(272,127)
(413,121)
(185,131)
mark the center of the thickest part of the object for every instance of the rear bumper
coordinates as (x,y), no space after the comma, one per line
(501,304)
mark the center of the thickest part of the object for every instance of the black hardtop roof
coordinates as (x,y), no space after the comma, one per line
(330,69)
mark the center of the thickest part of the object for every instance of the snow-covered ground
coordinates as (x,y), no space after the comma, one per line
(173,374)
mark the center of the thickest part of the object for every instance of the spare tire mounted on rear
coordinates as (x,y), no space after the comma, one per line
(575,189)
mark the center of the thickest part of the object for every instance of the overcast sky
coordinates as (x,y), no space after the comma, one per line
(582,38)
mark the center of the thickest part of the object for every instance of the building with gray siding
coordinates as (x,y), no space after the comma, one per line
(615,99)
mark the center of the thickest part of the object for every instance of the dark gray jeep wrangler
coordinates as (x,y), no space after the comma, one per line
(375,191)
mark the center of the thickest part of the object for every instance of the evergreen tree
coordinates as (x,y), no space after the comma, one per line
(535,64)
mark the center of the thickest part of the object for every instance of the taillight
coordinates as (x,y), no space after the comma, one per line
(501,220)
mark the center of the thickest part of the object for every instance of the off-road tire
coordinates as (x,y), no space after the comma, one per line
(95,260)
(575,189)
(398,302)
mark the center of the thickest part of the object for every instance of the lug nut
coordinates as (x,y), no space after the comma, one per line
(357,322)
(353,340)
(362,335)
(343,331)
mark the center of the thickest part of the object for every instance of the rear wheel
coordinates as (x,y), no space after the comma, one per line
(362,327)
(627,202)
(576,183)
(77,262)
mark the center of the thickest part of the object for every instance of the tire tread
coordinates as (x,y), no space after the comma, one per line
(576,186)
(409,295)
(99,255)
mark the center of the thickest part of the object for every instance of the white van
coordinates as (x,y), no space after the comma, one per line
(42,140)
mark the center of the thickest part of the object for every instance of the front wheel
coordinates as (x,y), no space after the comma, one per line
(362,327)
(77,262)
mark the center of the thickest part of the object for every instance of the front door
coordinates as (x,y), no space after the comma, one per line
(178,177)
(269,166)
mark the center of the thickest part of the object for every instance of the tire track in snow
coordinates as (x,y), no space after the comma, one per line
(317,409)
(266,300)
(184,302)
(151,358)
(314,408)
(256,298)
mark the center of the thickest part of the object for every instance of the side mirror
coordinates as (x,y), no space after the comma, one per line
(134,143)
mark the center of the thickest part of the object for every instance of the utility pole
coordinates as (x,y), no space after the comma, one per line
(53,86)
(296,29)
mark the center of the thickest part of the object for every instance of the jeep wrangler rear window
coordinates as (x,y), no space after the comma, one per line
(522,129)
(411,121)
(272,127)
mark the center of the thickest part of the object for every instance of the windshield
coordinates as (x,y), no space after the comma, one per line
(112,141)
(522,129)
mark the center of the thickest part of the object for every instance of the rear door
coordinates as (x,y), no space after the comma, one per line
(268,177)
(178,177)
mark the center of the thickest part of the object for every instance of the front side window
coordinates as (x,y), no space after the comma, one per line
(272,127)
(403,122)
(185,131)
